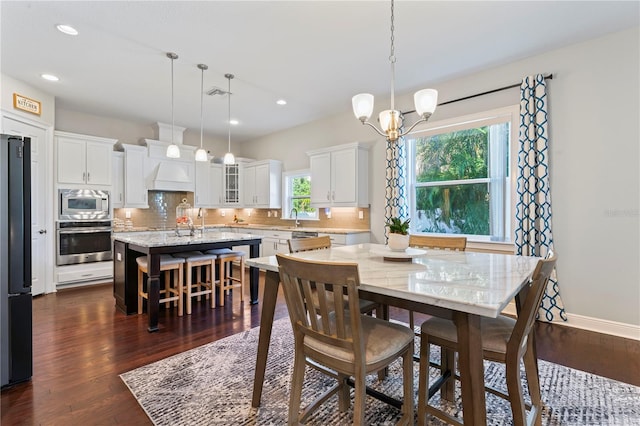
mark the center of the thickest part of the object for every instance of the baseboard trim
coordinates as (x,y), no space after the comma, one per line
(628,331)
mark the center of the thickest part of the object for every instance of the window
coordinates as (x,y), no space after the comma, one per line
(297,195)
(460,176)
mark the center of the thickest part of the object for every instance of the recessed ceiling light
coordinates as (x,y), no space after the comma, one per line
(233,122)
(67,29)
(50,77)
(281,102)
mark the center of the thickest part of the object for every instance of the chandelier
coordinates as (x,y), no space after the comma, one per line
(228,157)
(392,120)
(201,153)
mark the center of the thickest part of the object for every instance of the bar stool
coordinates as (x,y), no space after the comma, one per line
(203,263)
(172,293)
(227,281)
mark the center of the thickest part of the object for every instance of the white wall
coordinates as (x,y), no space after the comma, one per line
(9,86)
(595,183)
(126,131)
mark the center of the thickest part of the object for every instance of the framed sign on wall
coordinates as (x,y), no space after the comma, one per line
(26,104)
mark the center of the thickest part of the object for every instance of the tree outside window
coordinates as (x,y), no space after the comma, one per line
(298,195)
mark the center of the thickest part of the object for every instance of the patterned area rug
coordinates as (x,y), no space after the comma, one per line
(212,385)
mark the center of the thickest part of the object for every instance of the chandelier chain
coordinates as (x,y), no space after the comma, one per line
(392,54)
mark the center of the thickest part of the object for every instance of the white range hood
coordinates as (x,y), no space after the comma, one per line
(171,175)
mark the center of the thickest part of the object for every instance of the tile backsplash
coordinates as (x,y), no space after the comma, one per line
(161,214)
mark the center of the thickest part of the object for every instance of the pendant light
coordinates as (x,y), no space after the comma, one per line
(392,120)
(228,157)
(201,153)
(173,151)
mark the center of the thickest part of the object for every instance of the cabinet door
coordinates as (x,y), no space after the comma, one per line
(72,155)
(343,177)
(98,162)
(249,177)
(231,195)
(262,186)
(321,179)
(215,177)
(135,190)
(202,196)
(117,189)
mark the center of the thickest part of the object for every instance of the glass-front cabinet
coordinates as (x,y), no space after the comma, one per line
(231,195)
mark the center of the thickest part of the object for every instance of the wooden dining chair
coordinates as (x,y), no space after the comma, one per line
(438,243)
(311,243)
(297,245)
(505,340)
(338,340)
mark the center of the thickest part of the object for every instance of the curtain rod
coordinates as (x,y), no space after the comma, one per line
(546,77)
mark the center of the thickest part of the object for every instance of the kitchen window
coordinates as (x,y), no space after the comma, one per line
(297,195)
(461,176)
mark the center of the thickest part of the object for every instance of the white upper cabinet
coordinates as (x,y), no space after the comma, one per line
(83,159)
(135,189)
(117,187)
(340,176)
(231,193)
(262,184)
(208,185)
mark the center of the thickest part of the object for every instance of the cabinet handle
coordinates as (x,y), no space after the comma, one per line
(84,176)
(88,177)
(329,195)
(120,196)
(333,195)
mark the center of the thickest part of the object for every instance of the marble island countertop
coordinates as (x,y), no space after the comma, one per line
(160,239)
(250,227)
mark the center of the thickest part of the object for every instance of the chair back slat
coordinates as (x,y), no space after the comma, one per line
(310,243)
(436,242)
(529,309)
(317,289)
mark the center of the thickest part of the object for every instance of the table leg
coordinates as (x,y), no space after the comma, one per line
(153,288)
(254,275)
(471,368)
(271,284)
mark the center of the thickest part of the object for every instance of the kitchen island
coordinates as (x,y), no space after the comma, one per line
(129,246)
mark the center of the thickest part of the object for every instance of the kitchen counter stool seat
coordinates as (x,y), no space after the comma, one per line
(172,291)
(204,265)
(227,281)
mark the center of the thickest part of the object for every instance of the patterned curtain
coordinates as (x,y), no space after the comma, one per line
(396,198)
(533,209)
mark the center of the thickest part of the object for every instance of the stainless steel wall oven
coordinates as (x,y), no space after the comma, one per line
(83,242)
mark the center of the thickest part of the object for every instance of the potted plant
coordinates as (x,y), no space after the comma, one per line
(398,234)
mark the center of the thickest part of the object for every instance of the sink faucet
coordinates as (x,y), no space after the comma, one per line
(296,212)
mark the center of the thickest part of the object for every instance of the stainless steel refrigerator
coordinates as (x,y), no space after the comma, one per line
(16,350)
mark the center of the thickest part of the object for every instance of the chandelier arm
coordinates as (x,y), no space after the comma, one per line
(381,133)
(422,120)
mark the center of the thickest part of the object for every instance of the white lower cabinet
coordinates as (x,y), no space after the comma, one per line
(85,272)
(274,242)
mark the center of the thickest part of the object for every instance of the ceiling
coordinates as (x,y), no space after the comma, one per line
(314,54)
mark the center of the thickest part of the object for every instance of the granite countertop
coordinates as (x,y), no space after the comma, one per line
(250,227)
(160,239)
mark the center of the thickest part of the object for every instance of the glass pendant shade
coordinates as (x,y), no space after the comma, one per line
(229,158)
(389,120)
(201,155)
(173,151)
(425,101)
(362,106)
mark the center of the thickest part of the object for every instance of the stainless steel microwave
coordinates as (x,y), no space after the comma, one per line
(83,204)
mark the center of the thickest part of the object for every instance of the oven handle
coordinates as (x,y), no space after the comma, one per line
(83,230)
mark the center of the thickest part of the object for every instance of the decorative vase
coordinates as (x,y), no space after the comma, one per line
(398,242)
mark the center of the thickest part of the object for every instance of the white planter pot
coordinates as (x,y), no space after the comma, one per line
(398,242)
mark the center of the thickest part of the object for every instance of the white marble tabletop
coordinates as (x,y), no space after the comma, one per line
(159,238)
(477,283)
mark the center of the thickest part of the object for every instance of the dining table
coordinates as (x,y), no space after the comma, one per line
(463,286)
(129,246)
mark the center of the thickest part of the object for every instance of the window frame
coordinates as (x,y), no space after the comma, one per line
(480,119)
(287,178)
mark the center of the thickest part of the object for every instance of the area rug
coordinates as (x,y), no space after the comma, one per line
(212,385)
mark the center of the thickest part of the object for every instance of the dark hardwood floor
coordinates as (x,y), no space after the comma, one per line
(82,343)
